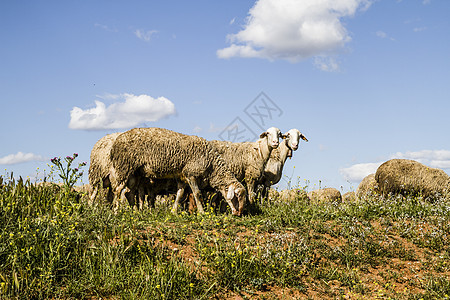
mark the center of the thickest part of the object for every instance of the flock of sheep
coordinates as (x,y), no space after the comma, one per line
(146,162)
(393,177)
(142,163)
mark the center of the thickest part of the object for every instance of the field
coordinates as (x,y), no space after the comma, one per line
(53,244)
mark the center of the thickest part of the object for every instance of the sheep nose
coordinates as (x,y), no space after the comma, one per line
(294,147)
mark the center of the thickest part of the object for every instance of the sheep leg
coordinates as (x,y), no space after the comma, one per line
(117,195)
(264,196)
(93,195)
(251,191)
(197,194)
(180,194)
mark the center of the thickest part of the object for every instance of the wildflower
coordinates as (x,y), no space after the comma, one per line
(191,285)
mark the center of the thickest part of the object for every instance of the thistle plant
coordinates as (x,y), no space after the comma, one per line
(68,174)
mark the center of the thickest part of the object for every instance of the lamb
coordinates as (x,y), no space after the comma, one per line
(406,176)
(247,160)
(274,167)
(157,153)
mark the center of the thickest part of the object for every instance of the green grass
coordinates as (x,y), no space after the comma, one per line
(53,244)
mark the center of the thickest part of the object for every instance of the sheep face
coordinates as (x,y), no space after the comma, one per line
(273,135)
(293,137)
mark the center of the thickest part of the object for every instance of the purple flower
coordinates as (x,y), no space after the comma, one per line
(75,155)
(69,158)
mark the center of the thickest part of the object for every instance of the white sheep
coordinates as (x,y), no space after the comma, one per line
(274,167)
(100,165)
(248,160)
(158,153)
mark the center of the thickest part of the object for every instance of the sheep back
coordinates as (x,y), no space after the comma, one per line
(367,187)
(162,153)
(410,177)
(325,195)
(242,159)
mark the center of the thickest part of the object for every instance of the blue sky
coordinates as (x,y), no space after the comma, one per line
(364,81)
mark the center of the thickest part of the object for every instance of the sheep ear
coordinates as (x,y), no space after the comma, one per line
(284,136)
(263,135)
(230,194)
(303,137)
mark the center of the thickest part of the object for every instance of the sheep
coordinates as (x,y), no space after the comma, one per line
(247,160)
(100,165)
(325,195)
(367,187)
(158,153)
(274,167)
(100,172)
(349,197)
(291,195)
(410,177)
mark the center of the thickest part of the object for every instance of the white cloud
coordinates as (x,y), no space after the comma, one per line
(20,157)
(197,129)
(293,30)
(381,34)
(144,35)
(133,111)
(425,2)
(105,27)
(357,172)
(232,21)
(326,63)
(433,158)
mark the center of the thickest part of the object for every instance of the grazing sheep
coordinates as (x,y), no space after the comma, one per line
(99,168)
(100,173)
(157,153)
(410,177)
(248,160)
(325,195)
(367,187)
(349,197)
(274,167)
(291,195)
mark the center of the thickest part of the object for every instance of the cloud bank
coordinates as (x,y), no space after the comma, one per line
(433,158)
(134,110)
(293,30)
(357,172)
(20,157)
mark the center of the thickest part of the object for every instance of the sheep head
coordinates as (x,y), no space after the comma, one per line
(293,137)
(236,191)
(273,135)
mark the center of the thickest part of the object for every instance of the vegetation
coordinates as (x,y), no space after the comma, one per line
(54,244)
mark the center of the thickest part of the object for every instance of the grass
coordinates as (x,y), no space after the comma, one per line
(53,244)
